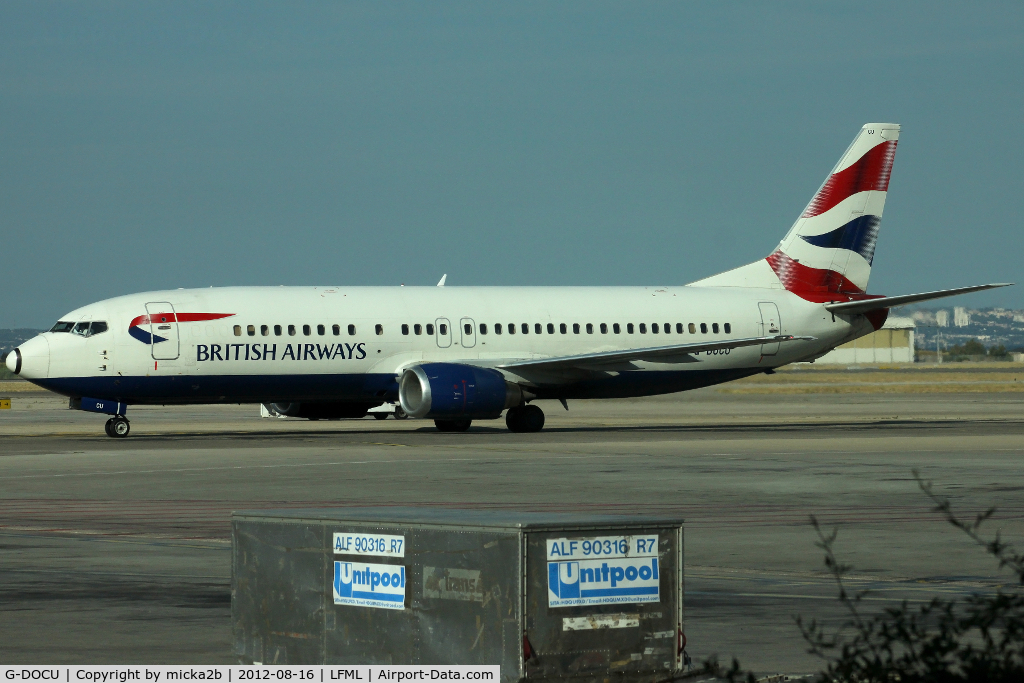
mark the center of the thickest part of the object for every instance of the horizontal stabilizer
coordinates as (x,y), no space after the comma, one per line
(851,307)
(677,353)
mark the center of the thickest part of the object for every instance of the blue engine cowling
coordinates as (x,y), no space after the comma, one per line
(451,390)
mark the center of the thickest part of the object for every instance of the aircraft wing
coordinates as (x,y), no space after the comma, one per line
(676,353)
(866,305)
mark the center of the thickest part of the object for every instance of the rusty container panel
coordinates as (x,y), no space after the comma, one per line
(412,586)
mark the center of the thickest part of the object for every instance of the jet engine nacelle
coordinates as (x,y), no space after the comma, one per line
(451,390)
(331,410)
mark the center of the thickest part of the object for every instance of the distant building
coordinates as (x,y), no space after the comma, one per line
(942,318)
(961,318)
(894,343)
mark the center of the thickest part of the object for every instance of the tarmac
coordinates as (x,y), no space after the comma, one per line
(118,551)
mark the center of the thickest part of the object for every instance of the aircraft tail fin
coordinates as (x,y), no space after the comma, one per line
(830,248)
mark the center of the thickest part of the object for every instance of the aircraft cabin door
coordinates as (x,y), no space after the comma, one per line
(163,326)
(444,332)
(468,332)
(771,325)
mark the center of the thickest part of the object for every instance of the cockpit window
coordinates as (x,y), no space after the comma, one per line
(89,329)
(62,326)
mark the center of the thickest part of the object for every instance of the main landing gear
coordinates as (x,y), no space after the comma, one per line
(117,427)
(453,425)
(527,418)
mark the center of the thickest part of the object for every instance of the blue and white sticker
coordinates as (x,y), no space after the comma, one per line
(369,585)
(369,544)
(603,570)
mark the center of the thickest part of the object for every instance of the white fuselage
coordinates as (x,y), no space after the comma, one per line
(278,344)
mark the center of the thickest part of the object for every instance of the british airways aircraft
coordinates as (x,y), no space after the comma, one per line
(458,354)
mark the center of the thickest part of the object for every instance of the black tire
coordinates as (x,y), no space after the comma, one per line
(106,428)
(119,427)
(453,425)
(400,414)
(533,419)
(524,419)
(380,416)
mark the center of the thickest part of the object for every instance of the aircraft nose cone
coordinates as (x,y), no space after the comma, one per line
(31,360)
(14,361)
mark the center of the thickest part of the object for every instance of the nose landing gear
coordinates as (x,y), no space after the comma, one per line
(527,418)
(117,427)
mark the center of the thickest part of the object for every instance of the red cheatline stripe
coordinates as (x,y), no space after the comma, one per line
(178,317)
(870,172)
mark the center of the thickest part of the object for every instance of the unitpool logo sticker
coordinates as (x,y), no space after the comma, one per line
(149,329)
(603,571)
(369,585)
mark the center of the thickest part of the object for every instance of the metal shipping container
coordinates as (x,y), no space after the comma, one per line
(542,595)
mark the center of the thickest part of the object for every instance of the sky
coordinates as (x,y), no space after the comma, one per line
(150,146)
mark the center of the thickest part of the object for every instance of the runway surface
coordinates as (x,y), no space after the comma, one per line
(117,551)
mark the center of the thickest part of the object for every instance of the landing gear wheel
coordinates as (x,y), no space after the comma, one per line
(524,419)
(400,414)
(117,427)
(380,416)
(453,425)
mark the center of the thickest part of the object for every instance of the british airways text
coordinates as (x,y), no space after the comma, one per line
(222,352)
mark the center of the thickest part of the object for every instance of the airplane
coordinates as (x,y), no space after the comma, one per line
(460,354)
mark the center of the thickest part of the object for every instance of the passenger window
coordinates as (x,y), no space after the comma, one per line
(693,330)
(526,328)
(97,328)
(616,329)
(405,329)
(306,330)
(537,328)
(643,328)
(511,328)
(668,328)
(417,329)
(321,330)
(264,330)
(629,328)
(590,328)
(251,330)
(551,328)
(238,329)
(442,328)
(379,329)
(562,328)
(336,329)
(467,328)
(679,328)
(497,328)
(703,328)
(654,328)
(277,330)
(575,328)
(430,329)
(604,328)
(728,328)
(483,328)
(714,327)
(291,330)
(351,330)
